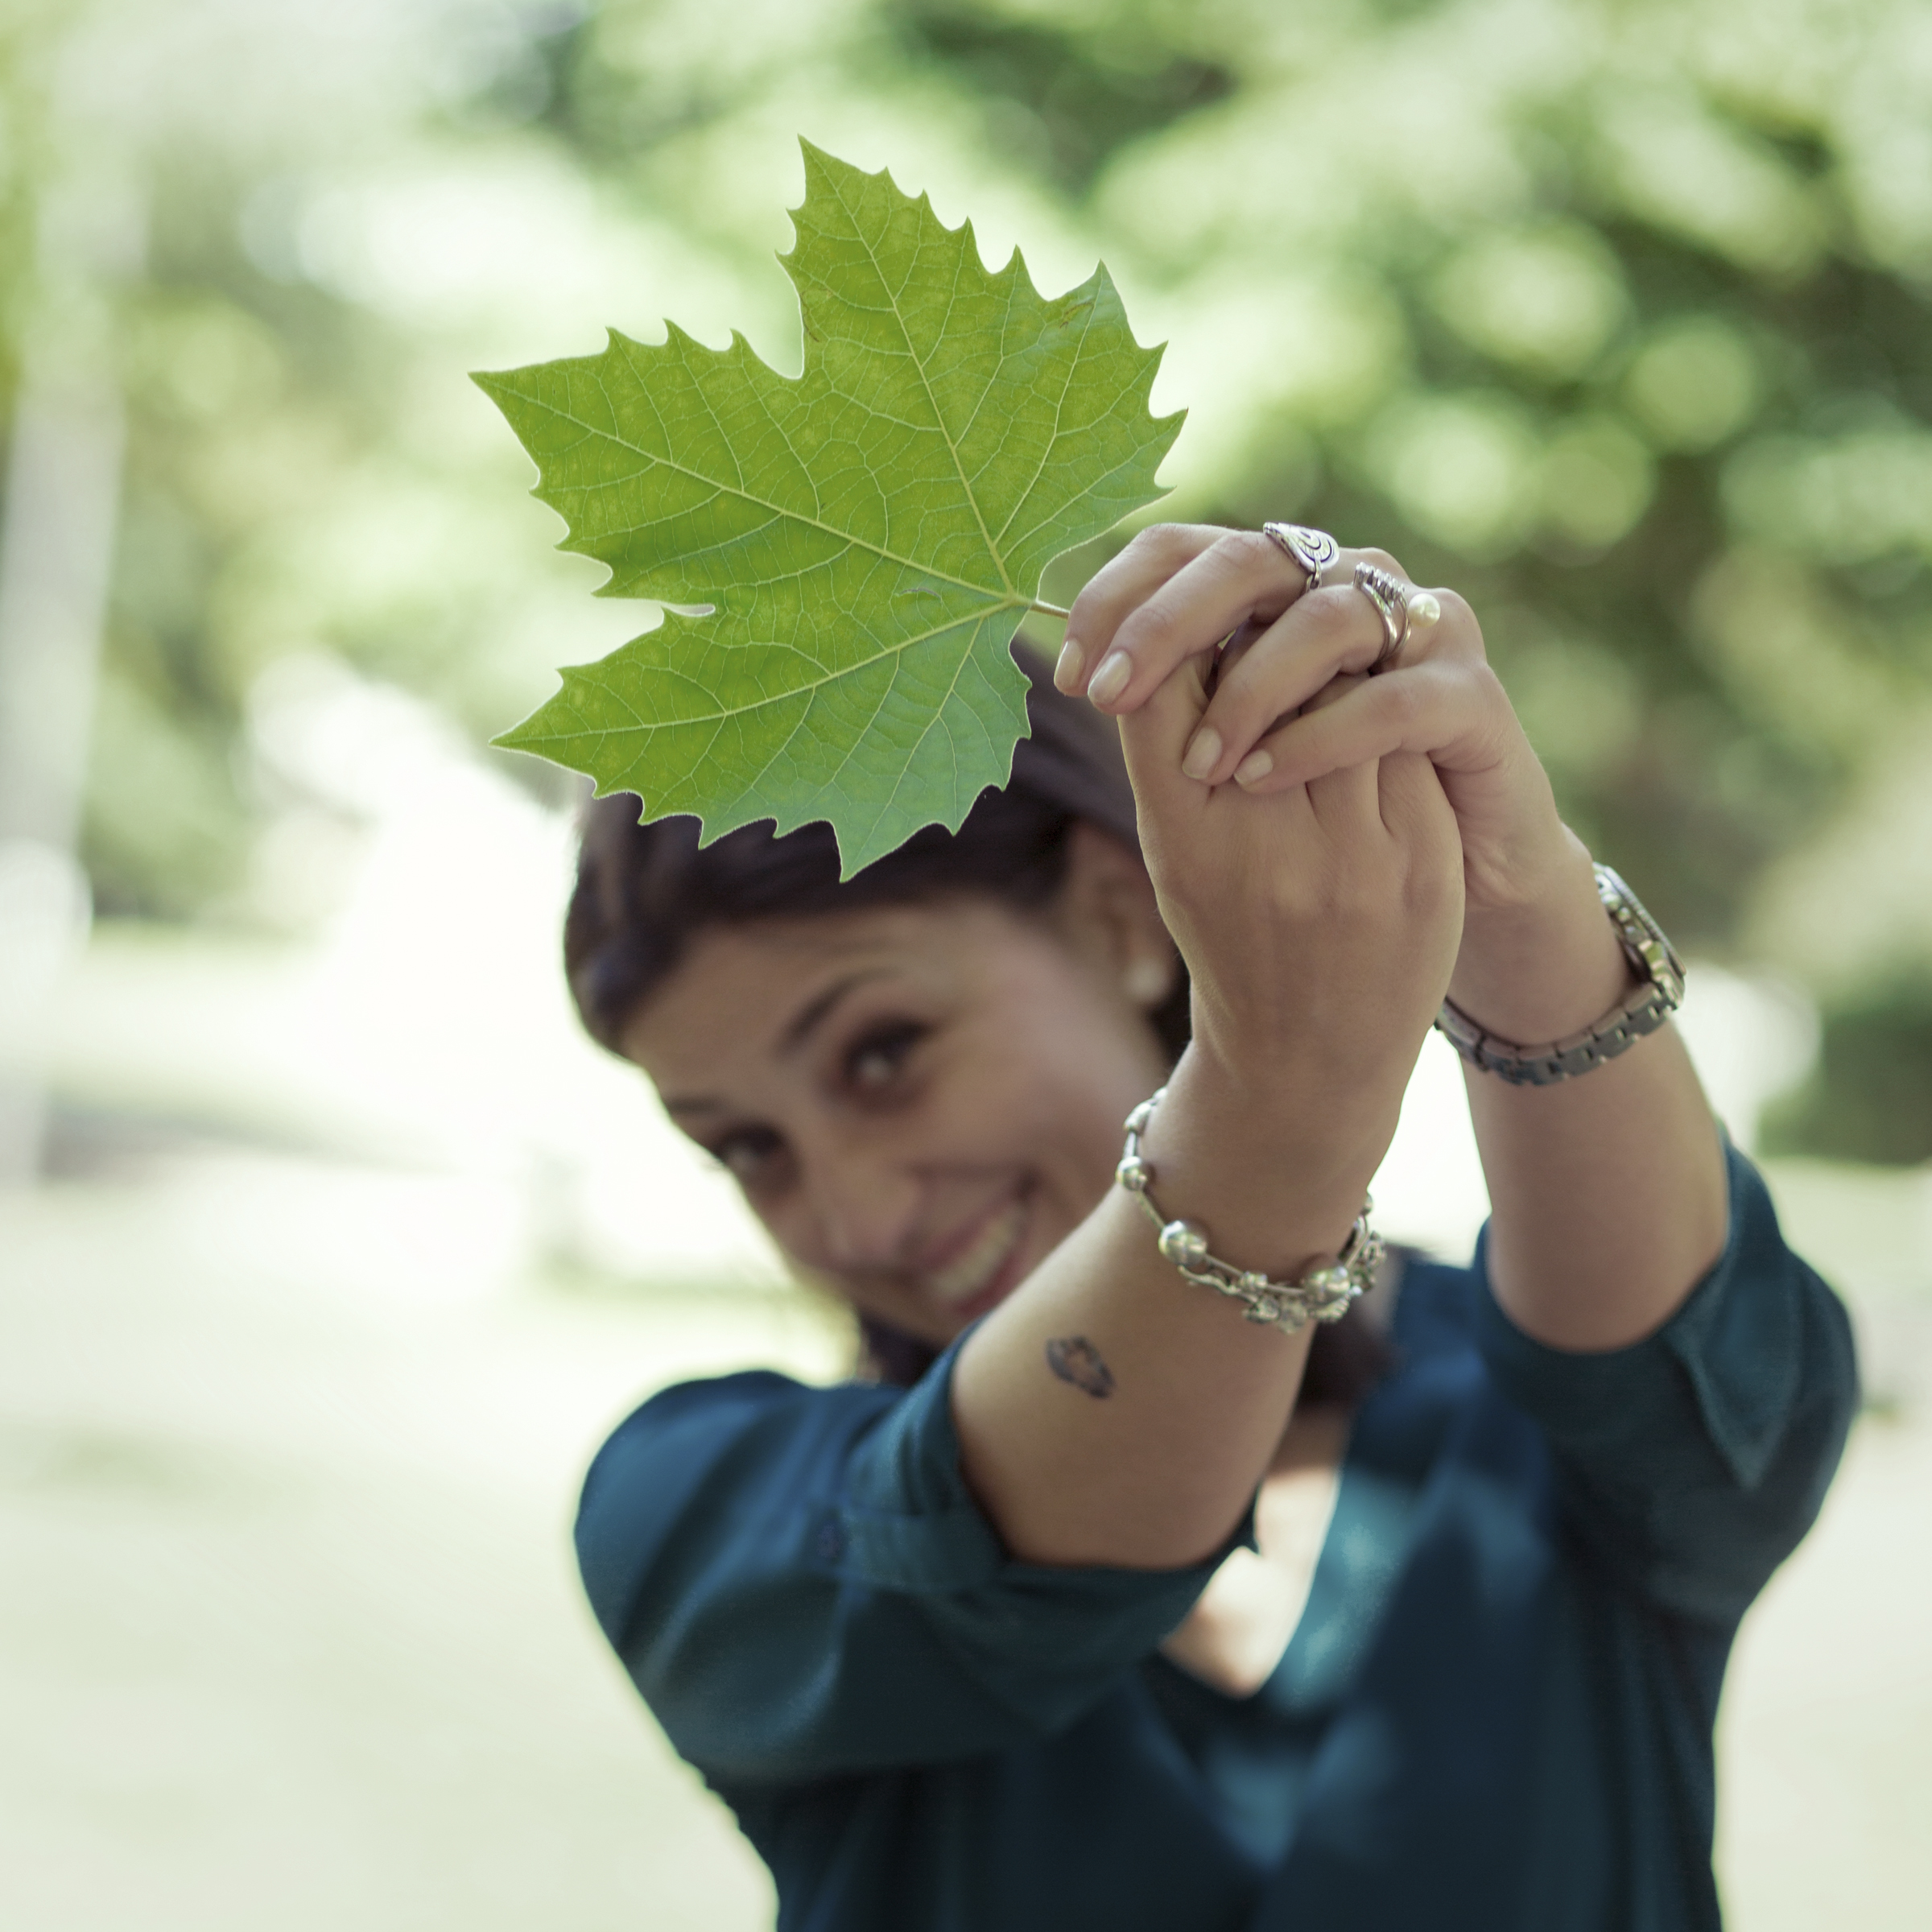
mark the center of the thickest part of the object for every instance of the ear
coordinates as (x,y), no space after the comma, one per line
(1107,913)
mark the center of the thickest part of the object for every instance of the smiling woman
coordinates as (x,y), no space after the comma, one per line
(962,957)
(929,1114)
(1011,982)
(1094,1603)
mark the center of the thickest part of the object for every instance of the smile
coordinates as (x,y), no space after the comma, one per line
(974,1270)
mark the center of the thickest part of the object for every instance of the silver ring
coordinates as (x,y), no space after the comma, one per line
(1314,550)
(1390,595)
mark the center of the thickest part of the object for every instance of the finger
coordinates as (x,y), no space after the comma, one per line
(1240,641)
(1323,633)
(1119,586)
(1436,707)
(1241,574)
(1151,739)
(1347,796)
(1414,806)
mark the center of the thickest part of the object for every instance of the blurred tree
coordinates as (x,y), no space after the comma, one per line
(1611,312)
(1066,93)
(1870,1096)
(1614,316)
(303,474)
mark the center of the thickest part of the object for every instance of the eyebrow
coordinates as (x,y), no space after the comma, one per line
(807,1020)
(804,1024)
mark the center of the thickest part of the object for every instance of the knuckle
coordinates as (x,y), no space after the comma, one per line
(1247,551)
(1383,560)
(1168,545)
(1328,615)
(1243,693)
(1458,629)
(1489,686)
(1471,693)
(1148,624)
(1400,699)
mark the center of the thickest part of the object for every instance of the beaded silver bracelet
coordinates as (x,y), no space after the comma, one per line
(1323,1294)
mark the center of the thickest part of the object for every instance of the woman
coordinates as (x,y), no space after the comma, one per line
(1127,1610)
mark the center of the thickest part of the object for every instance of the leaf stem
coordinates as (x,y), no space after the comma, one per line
(1049,610)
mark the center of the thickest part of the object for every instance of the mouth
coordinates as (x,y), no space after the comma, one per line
(976,1276)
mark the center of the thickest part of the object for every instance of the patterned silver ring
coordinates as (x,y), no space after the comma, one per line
(1390,595)
(1314,550)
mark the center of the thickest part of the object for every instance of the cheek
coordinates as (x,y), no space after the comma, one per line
(1062,1073)
(790,1223)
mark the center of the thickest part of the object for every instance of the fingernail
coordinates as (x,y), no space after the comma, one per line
(1111,679)
(1257,765)
(1203,753)
(1066,673)
(1425,609)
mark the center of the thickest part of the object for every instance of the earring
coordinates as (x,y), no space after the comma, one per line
(1147,980)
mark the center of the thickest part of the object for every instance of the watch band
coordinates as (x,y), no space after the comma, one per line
(1654,960)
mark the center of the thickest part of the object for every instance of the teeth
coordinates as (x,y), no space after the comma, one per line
(964,1278)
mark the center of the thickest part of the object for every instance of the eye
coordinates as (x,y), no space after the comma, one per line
(878,1058)
(751,1154)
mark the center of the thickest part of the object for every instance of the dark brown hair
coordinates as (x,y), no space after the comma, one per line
(644,891)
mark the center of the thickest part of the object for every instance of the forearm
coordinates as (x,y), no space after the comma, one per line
(1607,1190)
(1157,1473)
(1318,923)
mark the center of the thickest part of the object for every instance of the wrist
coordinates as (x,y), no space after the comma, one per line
(1547,966)
(1317,1085)
(1276,1169)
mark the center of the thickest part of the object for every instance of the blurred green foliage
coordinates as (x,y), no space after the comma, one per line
(1869,1098)
(1613,313)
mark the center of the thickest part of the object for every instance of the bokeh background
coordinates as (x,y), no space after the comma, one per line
(328,1249)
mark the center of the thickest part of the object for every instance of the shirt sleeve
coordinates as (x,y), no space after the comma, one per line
(1693,1461)
(801,1585)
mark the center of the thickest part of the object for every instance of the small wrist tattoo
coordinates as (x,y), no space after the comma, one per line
(1073,1359)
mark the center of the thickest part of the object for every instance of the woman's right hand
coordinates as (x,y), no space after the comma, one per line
(1320,926)
(1320,923)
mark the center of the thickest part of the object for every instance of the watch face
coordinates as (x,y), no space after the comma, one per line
(1666,969)
(1650,951)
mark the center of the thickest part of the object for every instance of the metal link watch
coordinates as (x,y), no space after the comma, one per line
(1651,956)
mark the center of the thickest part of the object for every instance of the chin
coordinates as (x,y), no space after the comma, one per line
(1012,1271)
(937,1322)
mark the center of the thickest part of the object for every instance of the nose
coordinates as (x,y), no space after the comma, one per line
(862,1201)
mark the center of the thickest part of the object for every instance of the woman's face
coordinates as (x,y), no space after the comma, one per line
(920,1102)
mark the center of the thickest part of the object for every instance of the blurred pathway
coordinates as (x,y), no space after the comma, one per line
(290,1635)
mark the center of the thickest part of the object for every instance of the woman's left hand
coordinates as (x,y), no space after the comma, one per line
(1179,589)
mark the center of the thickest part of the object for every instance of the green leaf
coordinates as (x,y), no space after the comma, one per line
(868,534)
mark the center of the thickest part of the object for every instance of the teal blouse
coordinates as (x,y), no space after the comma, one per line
(1495,1712)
